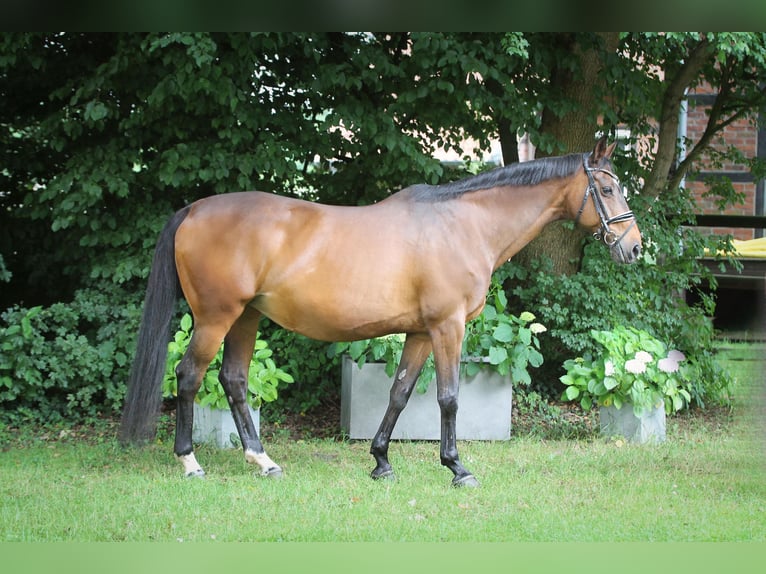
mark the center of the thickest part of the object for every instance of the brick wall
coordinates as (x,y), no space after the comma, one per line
(744,135)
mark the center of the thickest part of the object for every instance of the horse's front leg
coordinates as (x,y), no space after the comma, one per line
(447,343)
(417,347)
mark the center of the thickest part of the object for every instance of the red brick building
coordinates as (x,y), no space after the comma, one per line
(741,308)
(749,136)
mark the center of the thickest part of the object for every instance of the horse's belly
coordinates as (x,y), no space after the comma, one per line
(329,318)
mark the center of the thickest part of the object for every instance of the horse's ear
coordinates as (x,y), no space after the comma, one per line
(601,151)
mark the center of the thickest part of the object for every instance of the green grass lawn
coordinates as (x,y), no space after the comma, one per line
(707,482)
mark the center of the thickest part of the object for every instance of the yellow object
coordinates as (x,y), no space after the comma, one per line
(755,248)
(750,249)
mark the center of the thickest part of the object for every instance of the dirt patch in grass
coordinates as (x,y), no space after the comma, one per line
(322,421)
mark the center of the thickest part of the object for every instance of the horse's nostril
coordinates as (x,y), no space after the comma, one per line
(636,250)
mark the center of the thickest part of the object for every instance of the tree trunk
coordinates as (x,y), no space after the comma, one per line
(660,177)
(576,132)
(508,143)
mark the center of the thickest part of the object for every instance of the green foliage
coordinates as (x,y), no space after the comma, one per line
(509,344)
(5,275)
(263,380)
(65,362)
(316,375)
(535,416)
(647,295)
(495,339)
(386,349)
(632,368)
(102,136)
(636,81)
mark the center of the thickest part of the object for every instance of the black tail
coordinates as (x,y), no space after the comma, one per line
(144,397)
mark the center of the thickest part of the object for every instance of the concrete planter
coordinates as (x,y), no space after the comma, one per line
(484,411)
(216,426)
(648,428)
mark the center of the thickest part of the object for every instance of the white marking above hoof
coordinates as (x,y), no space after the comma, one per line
(268,466)
(191,466)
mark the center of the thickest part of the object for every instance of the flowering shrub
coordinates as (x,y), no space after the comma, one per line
(506,342)
(635,368)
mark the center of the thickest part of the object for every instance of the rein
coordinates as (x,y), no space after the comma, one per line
(605,234)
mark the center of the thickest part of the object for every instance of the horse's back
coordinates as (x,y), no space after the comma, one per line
(325,271)
(331,272)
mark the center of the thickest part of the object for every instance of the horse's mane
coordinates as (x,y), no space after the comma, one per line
(525,173)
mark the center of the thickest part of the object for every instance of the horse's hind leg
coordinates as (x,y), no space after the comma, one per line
(417,347)
(237,352)
(203,347)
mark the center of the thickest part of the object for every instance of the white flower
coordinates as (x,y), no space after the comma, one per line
(644,357)
(668,365)
(676,356)
(537,328)
(526,316)
(635,366)
(608,368)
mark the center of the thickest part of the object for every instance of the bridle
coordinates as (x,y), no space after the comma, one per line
(605,234)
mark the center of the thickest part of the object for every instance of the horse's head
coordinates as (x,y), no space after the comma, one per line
(609,218)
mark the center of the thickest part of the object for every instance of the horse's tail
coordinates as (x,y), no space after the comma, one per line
(144,397)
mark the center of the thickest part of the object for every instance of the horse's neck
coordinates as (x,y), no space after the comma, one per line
(516,215)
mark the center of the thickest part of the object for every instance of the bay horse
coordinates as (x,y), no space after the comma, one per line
(418,262)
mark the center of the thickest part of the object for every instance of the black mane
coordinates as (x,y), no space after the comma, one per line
(525,173)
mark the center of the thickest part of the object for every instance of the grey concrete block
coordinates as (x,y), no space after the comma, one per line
(484,406)
(649,428)
(216,426)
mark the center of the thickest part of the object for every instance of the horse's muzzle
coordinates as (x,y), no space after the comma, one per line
(622,255)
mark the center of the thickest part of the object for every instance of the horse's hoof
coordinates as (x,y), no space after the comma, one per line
(199,473)
(273,472)
(468,480)
(383,474)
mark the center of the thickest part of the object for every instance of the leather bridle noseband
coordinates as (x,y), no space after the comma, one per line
(609,237)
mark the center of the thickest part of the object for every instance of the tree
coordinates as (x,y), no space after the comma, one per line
(573,66)
(640,85)
(590,82)
(104,135)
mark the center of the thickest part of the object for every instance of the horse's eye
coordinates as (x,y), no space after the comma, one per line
(606,190)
